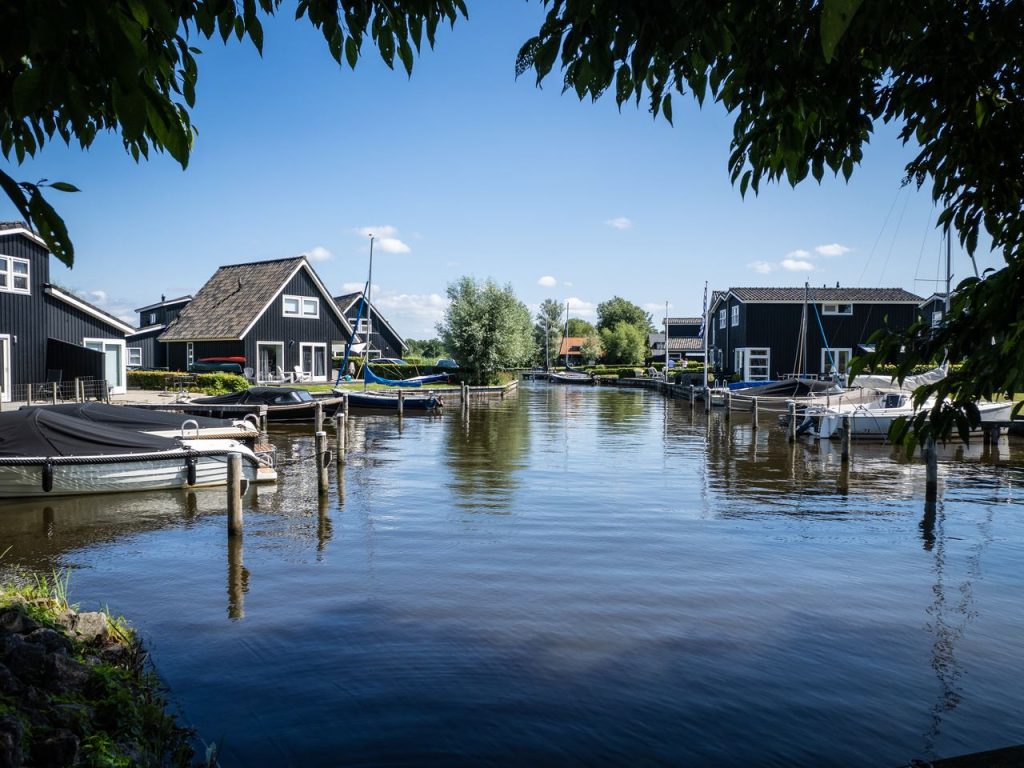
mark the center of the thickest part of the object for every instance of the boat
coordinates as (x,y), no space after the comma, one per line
(388,401)
(45,453)
(416,381)
(160,423)
(236,359)
(571,377)
(283,403)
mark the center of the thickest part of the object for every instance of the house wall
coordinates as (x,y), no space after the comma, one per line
(161,315)
(380,337)
(23,316)
(154,353)
(177,352)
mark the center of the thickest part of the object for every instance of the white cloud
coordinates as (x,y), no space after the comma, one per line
(547,281)
(832,249)
(318,253)
(656,308)
(567,284)
(385,238)
(796,265)
(352,287)
(119,308)
(761,267)
(580,308)
(413,315)
(620,222)
(799,253)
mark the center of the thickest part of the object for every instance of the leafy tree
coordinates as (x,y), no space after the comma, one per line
(806,84)
(486,328)
(425,348)
(580,327)
(548,328)
(70,70)
(624,344)
(591,349)
(617,310)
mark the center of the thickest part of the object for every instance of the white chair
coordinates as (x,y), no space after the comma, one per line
(250,375)
(300,375)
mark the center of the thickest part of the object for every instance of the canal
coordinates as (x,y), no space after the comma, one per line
(572,576)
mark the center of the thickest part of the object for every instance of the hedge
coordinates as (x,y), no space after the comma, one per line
(209,383)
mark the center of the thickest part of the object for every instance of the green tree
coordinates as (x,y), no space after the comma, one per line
(486,328)
(72,70)
(625,344)
(548,330)
(617,310)
(580,327)
(590,349)
(425,348)
(806,83)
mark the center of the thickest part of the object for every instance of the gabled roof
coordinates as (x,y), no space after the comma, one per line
(165,303)
(149,329)
(84,306)
(818,295)
(20,228)
(684,321)
(236,297)
(568,342)
(345,302)
(686,344)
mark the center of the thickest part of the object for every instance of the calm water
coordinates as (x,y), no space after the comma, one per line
(573,577)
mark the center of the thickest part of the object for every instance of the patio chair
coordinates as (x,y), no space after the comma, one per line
(301,375)
(250,375)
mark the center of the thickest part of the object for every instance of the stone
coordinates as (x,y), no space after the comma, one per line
(27,662)
(91,627)
(59,750)
(11,734)
(8,682)
(15,620)
(51,640)
(64,673)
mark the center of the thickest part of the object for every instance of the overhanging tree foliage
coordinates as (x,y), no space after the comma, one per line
(807,82)
(71,69)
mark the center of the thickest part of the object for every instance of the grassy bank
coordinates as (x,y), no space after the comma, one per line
(75,687)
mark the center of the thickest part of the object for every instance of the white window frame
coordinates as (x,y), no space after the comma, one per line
(270,376)
(133,352)
(837,308)
(936,318)
(837,353)
(152,318)
(5,384)
(327,360)
(190,354)
(734,313)
(363,325)
(301,306)
(121,388)
(749,360)
(9,274)
(721,318)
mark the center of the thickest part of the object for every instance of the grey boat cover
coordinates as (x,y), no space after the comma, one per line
(125,417)
(260,396)
(37,432)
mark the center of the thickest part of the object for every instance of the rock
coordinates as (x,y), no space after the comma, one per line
(59,750)
(8,682)
(15,620)
(91,627)
(27,661)
(11,734)
(64,673)
(51,640)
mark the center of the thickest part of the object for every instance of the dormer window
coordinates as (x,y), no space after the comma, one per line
(301,306)
(14,275)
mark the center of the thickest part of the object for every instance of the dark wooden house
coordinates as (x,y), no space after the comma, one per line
(46,333)
(684,340)
(375,336)
(144,351)
(933,309)
(277,316)
(755,333)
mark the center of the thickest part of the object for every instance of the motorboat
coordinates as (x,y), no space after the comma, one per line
(46,453)
(283,403)
(388,401)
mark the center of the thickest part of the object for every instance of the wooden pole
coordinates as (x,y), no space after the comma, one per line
(931,463)
(792,422)
(263,422)
(728,404)
(339,437)
(401,403)
(707,399)
(753,417)
(344,403)
(28,394)
(235,521)
(321,461)
(318,418)
(846,439)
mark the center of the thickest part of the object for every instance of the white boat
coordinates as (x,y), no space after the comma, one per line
(160,423)
(44,453)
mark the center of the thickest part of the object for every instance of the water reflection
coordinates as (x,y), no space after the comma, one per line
(238,578)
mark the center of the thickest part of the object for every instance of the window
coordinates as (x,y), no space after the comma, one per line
(301,306)
(837,309)
(313,359)
(754,363)
(835,360)
(364,325)
(721,318)
(936,317)
(735,315)
(190,354)
(152,318)
(14,274)
(134,357)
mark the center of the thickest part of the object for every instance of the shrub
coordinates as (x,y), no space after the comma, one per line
(208,383)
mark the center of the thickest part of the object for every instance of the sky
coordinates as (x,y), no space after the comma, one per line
(464,170)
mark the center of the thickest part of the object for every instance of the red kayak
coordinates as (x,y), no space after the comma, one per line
(239,359)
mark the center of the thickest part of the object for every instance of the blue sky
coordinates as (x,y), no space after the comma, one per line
(461,169)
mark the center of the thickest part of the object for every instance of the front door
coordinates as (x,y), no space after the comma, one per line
(314,361)
(113,362)
(5,368)
(270,360)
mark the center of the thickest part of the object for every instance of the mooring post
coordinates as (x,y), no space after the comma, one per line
(28,394)
(846,439)
(263,423)
(728,404)
(339,437)
(792,421)
(693,396)
(753,417)
(931,464)
(234,494)
(318,418)
(707,399)
(465,396)
(344,403)
(322,456)
(401,403)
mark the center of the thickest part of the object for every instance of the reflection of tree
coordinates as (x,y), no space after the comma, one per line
(625,411)
(484,454)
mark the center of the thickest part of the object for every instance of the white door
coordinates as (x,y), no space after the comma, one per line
(113,362)
(5,368)
(314,361)
(269,360)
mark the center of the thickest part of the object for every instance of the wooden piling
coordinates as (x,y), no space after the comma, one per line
(931,464)
(693,396)
(318,418)
(339,437)
(53,391)
(728,404)
(846,439)
(263,423)
(753,414)
(344,403)
(401,403)
(792,422)
(235,521)
(28,395)
(320,443)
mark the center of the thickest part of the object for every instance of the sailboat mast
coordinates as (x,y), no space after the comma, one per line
(704,332)
(949,272)
(666,341)
(566,336)
(369,323)
(804,363)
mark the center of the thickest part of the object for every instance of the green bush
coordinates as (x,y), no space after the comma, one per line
(208,383)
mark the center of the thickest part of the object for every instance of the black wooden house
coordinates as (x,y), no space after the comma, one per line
(48,334)
(276,317)
(375,336)
(755,333)
(144,351)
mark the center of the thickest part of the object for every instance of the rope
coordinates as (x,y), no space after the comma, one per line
(21,461)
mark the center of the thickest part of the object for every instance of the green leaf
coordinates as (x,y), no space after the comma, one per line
(836,16)
(63,186)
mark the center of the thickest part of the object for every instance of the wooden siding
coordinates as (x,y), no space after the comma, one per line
(74,361)
(71,324)
(23,316)
(154,353)
(177,352)
(164,315)
(381,338)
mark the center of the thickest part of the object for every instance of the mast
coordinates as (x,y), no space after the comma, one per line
(949,273)
(666,341)
(566,335)
(803,332)
(369,323)
(704,333)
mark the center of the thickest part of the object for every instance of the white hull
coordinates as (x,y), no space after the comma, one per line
(874,423)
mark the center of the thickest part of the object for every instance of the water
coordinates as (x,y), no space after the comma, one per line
(576,577)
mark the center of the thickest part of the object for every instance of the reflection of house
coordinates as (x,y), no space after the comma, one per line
(46,332)
(755,332)
(276,314)
(144,351)
(383,339)
(570,350)
(684,339)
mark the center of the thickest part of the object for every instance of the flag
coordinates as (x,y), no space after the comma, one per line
(704,314)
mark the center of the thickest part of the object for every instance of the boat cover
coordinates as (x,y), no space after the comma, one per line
(260,396)
(415,381)
(33,432)
(125,417)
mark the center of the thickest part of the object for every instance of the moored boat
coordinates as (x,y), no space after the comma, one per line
(388,401)
(283,403)
(570,377)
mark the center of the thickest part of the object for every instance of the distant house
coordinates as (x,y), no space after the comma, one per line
(933,309)
(47,333)
(684,340)
(277,315)
(144,351)
(570,350)
(375,336)
(755,332)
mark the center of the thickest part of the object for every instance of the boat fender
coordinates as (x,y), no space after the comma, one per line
(190,470)
(48,476)
(805,425)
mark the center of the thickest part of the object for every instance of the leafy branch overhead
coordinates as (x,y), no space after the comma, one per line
(71,70)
